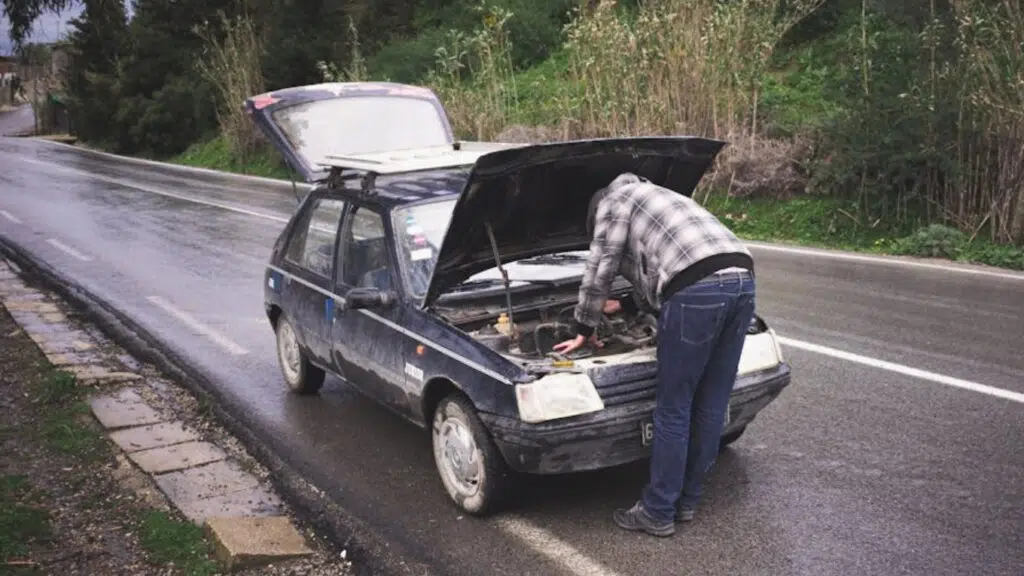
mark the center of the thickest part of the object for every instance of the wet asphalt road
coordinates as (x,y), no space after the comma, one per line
(17,121)
(856,469)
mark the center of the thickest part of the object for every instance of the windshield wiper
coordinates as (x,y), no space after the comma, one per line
(485,282)
(473,284)
(549,259)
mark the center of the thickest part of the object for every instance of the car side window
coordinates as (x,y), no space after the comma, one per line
(312,247)
(366,262)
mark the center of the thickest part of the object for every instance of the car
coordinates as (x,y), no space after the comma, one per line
(435,276)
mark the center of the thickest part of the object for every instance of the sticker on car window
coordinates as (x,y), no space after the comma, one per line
(421,254)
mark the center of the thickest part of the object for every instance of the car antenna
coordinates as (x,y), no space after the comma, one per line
(504,277)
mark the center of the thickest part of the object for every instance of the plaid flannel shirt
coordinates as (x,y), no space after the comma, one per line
(648,234)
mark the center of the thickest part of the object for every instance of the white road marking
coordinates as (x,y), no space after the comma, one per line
(10,216)
(836,255)
(198,326)
(905,370)
(547,544)
(68,250)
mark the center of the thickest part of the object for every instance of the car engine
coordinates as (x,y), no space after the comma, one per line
(535,337)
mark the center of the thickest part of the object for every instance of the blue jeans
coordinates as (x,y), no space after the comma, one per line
(701,330)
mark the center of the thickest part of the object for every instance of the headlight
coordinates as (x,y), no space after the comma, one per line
(558,395)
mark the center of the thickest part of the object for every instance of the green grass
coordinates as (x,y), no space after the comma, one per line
(63,416)
(824,222)
(168,540)
(216,154)
(21,523)
(58,386)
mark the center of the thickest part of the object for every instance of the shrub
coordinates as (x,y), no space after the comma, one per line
(935,241)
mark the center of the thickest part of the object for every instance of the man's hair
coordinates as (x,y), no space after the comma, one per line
(595,200)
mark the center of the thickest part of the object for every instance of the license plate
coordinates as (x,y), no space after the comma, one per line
(647,427)
(647,432)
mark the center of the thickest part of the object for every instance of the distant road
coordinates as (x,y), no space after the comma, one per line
(18,121)
(897,450)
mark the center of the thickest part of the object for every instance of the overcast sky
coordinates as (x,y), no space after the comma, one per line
(48,28)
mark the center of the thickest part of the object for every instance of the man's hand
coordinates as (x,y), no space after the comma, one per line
(611,307)
(576,343)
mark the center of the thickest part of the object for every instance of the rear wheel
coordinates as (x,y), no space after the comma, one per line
(472,469)
(300,375)
(731,437)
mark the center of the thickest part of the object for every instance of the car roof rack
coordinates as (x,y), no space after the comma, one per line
(374,164)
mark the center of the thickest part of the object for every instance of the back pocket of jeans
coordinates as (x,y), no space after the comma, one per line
(700,322)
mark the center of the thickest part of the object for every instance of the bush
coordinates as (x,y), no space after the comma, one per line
(934,241)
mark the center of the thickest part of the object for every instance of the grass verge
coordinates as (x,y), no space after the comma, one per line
(217,155)
(824,222)
(61,510)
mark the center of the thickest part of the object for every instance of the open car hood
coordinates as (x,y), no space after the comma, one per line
(535,198)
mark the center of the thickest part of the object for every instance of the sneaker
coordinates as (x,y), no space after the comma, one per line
(685,514)
(637,519)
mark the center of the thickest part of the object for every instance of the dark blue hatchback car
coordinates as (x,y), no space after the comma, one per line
(435,276)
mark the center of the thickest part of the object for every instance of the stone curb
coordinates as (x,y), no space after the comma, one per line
(244,518)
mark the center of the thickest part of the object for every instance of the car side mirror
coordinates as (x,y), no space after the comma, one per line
(359,298)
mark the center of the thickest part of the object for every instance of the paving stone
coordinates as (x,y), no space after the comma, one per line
(34,324)
(206,481)
(70,358)
(249,542)
(177,457)
(54,318)
(15,290)
(122,410)
(37,306)
(152,436)
(139,483)
(101,375)
(61,343)
(247,503)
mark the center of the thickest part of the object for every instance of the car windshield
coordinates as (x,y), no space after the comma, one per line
(361,125)
(419,231)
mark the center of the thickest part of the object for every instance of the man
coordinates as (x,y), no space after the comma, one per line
(699,277)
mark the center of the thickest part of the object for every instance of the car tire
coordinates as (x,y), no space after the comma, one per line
(472,470)
(299,374)
(731,437)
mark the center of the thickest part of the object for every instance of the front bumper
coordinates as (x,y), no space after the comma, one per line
(613,436)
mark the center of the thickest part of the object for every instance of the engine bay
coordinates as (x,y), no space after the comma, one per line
(536,332)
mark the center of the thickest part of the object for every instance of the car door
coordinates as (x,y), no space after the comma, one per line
(366,345)
(310,261)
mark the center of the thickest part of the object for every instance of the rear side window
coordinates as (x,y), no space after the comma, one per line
(312,247)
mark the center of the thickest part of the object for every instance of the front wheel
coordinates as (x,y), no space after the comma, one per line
(471,467)
(300,375)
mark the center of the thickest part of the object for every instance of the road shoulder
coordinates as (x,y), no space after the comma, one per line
(98,452)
